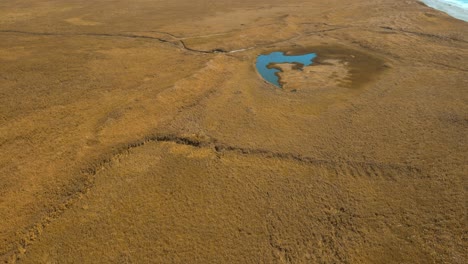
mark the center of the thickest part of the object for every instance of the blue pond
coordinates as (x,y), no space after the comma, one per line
(270,74)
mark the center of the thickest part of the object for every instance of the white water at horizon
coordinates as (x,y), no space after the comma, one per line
(455,8)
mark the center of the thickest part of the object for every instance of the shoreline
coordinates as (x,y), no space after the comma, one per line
(452,10)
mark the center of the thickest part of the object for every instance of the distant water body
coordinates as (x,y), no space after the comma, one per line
(455,8)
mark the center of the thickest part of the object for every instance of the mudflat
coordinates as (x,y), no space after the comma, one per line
(140,132)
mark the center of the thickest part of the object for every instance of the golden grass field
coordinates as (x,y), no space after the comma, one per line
(140,132)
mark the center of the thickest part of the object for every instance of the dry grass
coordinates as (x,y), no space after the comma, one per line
(130,134)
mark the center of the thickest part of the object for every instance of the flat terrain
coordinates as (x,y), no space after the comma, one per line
(140,132)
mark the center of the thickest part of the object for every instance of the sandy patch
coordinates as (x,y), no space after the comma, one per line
(331,72)
(78,21)
(13,53)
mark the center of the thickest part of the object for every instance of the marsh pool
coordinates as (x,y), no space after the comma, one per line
(264,64)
